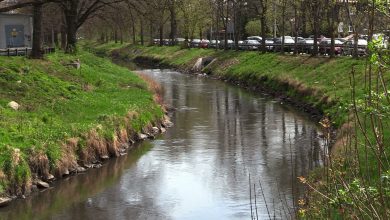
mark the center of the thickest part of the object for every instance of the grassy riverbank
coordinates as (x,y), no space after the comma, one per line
(67,117)
(320,85)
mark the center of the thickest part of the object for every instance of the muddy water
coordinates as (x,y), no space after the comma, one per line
(199,169)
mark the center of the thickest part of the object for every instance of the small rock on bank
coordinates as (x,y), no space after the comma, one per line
(4,201)
(14,105)
(42,184)
(142,136)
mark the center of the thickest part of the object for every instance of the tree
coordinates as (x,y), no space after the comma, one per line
(253,27)
(76,12)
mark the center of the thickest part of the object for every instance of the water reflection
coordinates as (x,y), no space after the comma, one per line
(200,168)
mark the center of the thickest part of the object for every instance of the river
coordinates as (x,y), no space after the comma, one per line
(200,168)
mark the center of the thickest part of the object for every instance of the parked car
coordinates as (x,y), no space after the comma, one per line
(288,40)
(204,44)
(255,38)
(230,44)
(251,45)
(270,44)
(301,40)
(179,41)
(300,45)
(168,42)
(241,45)
(288,43)
(195,43)
(325,46)
(350,45)
(214,43)
(309,45)
(156,41)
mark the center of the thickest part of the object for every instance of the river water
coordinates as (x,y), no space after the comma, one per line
(200,168)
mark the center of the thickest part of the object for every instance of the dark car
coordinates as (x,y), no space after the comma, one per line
(179,41)
(204,44)
(230,44)
(301,45)
(195,43)
(350,45)
(168,42)
(325,46)
(156,41)
(214,43)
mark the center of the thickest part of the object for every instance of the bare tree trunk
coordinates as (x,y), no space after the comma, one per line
(161,31)
(36,52)
(56,40)
(316,18)
(217,26)
(71,26)
(172,10)
(296,28)
(355,37)
(283,23)
(330,21)
(121,36)
(264,9)
(133,34)
(226,26)
(303,18)
(142,32)
(151,31)
(63,38)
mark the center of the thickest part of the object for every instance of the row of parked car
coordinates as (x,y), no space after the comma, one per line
(343,46)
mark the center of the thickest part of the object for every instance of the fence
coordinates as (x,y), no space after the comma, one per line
(23,51)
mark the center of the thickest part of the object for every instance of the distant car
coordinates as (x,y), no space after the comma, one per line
(230,44)
(241,45)
(300,44)
(195,43)
(270,43)
(251,45)
(288,43)
(325,46)
(214,43)
(341,39)
(349,47)
(156,41)
(309,42)
(301,40)
(204,44)
(168,42)
(179,41)
(259,39)
(288,40)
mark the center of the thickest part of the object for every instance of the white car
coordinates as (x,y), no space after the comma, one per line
(258,38)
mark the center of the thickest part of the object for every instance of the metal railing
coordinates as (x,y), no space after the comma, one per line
(23,51)
(299,48)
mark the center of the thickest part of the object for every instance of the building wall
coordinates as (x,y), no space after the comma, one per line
(14,19)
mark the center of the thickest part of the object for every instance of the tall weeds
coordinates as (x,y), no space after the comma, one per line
(356,184)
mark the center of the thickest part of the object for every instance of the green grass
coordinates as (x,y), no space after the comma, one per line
(327,79)
(59,102)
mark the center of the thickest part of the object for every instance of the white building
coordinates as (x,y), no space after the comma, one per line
(15,30)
